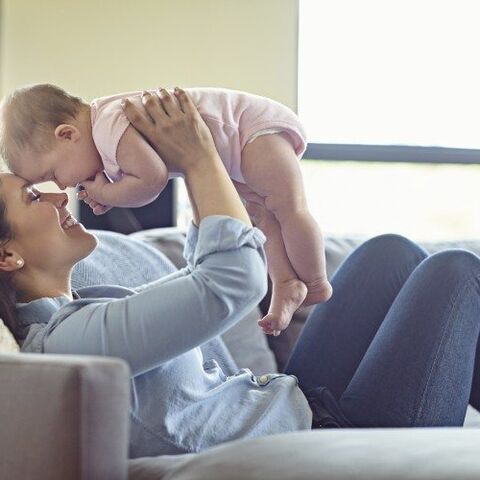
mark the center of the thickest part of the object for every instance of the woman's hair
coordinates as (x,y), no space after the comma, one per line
(29,116)
(8,292)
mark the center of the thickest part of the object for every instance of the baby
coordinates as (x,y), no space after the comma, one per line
(48,134)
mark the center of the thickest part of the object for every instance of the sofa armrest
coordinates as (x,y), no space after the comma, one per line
(63,416)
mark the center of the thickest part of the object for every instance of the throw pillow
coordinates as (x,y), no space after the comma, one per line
(7,342)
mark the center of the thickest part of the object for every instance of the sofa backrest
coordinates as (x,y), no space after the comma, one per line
(120,260)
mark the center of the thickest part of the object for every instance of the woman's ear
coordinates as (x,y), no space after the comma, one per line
(65,131)
(10,261)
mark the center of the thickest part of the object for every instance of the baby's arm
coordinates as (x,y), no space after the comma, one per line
(145,175)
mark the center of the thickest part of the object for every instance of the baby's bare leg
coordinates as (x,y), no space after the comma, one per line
(288,292)
(270,168)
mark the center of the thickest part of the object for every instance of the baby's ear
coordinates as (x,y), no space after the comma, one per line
(65,131)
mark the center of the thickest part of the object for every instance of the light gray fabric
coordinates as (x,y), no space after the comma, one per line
(420,454)
(338,248)
(472,245)
(63,417)
(472,418)
(248,345)
(120,260)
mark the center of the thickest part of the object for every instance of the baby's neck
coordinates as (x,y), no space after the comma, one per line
(84,118)
(83,122)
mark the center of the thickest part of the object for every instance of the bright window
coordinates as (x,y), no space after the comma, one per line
(421,201)
(390,72)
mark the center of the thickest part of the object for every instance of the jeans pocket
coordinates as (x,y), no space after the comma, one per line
(326,409)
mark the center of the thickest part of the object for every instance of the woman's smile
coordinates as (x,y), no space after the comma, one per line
(69,222)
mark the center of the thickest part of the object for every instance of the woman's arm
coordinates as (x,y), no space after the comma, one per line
(196,217)
(202,167)
(228,273)
(149,328)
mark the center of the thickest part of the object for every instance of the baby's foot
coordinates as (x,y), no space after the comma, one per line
(319,291)
(286,298)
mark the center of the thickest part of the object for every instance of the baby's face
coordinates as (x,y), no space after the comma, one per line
(66,164)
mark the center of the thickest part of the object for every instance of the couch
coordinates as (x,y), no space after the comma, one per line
(66,417)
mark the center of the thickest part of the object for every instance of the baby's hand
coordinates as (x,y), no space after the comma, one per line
(98,208)
(94,188)
(92,193)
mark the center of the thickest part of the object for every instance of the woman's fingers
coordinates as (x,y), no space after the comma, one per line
(154,107)
(179,138)
(138,117)
(168,102)
(186,103)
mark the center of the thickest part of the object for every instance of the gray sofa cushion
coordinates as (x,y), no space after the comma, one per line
(407,454)
(338,248)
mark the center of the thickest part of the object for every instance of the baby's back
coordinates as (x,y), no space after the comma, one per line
(232,116)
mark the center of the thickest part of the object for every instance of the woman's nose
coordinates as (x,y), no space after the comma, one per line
(60,200)
(63,200)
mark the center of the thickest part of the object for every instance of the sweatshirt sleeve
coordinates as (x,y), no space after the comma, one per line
(226,279)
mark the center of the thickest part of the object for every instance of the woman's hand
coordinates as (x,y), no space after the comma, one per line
(177,132)
(174,128)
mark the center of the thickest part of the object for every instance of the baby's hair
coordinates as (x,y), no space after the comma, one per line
(29,116)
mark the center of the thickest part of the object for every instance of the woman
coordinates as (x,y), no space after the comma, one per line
(395,346)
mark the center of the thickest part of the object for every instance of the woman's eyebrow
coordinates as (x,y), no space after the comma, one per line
(24,188)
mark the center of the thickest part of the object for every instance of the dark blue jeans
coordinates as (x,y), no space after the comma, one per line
(398,343)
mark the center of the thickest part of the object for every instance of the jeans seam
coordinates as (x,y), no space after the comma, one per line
(421,403)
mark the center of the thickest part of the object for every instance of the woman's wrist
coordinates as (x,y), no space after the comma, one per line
(213,191)
(203,163)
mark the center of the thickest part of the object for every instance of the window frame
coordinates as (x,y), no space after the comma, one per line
(391,153)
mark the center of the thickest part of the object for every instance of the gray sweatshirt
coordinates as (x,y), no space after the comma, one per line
(180,401)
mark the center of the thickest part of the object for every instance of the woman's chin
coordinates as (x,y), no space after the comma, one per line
(86,242)
(93,240)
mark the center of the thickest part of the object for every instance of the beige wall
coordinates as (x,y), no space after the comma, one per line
(94,47)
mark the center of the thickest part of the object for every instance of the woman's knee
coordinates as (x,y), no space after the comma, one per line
(455,263)
(391,247)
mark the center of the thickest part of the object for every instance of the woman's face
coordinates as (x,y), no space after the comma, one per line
(40,223)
